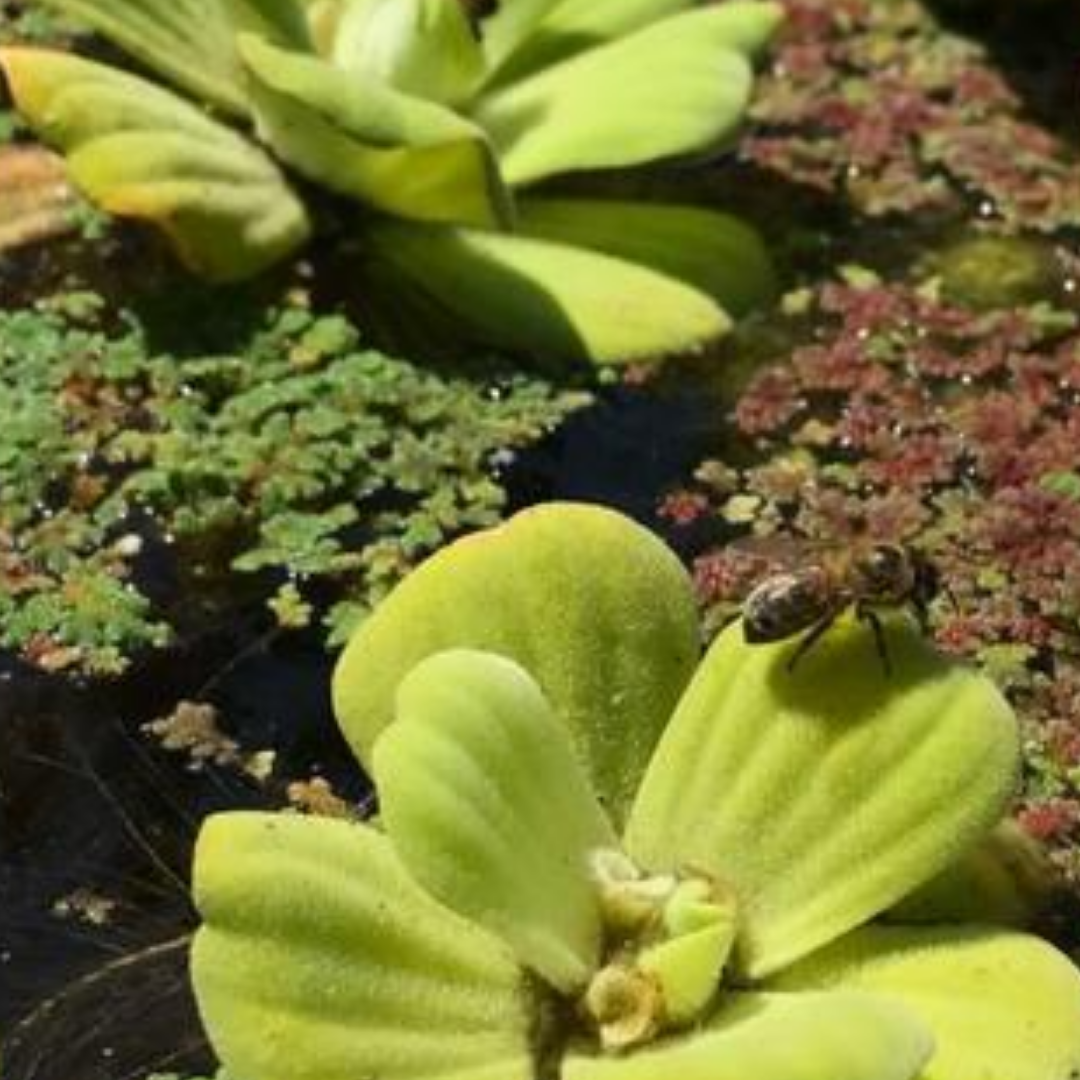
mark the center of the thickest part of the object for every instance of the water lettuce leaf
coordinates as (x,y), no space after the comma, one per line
(510,25)
(422,47)
(187,42)
(576,25)
(679,88)
(480,791)
(594,607)
(360,137)
(546,299)
(719,254)
(280,21)
(319,958)
(1002,1005)
(138,150)
(854,1036)
(825,794)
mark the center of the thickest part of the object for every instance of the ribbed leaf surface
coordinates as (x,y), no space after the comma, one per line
(824,794)
(550,300)
(280,21)
(1007,880)
(423,47)
(401,154)
(140,151)
(715,253)
(673,88)
(486,804)
(593,606)
(188,42)
(321,959)
(835,1036)
(510,25)
(576,25)
(1001,1005)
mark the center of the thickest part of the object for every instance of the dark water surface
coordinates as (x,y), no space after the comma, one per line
(92,809)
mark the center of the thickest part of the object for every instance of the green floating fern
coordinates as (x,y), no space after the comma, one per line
(267,453)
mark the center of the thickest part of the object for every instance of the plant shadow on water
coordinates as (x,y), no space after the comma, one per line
(98,827)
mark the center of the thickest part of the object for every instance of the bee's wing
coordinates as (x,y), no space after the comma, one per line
(781,550)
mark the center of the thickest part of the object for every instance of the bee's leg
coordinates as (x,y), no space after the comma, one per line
(922,615)
(811,638)
(921,606)
(869,615)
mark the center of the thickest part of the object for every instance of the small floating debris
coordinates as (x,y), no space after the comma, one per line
(37,202)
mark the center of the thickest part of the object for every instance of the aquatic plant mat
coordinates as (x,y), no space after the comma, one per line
(200,492)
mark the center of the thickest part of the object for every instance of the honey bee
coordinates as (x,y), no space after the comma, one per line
(816,582)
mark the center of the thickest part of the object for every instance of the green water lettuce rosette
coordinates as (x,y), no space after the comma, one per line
(440,128)
(598,857)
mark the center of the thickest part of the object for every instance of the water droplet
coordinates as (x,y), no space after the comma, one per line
(129,546)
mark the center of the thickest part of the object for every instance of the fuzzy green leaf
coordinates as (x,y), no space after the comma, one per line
(825,794)
(550,300)
(572,27)
(359,137)
(715,253)
(576,25)
(422,47)
(137,150)
(673,88)
(688,966)
(279,21)
(321,959)
(486,804)
(1001,1005)
(324,20)
(593,606)
(1007,880)
(510,25)
(188,42)
(835,1036)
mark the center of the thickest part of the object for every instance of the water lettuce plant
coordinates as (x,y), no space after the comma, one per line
(438,127)
(598,858)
